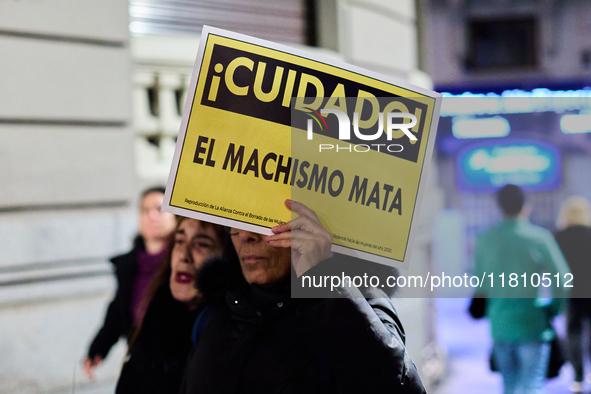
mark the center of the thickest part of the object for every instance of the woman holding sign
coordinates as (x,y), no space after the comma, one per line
(256,338)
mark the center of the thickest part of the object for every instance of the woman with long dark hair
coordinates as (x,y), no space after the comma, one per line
(160,345)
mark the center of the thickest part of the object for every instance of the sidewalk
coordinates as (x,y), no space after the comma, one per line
(468,345)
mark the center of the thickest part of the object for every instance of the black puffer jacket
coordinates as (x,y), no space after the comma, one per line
(118,319)
(263,341)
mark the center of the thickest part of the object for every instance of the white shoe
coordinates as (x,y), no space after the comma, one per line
(576,387)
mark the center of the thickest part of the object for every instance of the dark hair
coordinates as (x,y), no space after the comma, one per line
(511,199)
(152,189)
(162,277)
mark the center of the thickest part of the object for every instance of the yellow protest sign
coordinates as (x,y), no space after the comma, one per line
(264,123)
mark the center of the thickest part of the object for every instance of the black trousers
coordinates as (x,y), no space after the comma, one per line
(578,311)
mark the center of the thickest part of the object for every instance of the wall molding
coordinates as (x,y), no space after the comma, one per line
(62,38)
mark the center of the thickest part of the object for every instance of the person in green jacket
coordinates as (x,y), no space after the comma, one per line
(525,283)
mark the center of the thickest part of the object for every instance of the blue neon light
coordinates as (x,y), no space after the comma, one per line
(575,124)
(484,167)
(463,127)
(514,102)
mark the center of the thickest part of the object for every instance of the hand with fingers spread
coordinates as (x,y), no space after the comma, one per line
(309,241)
